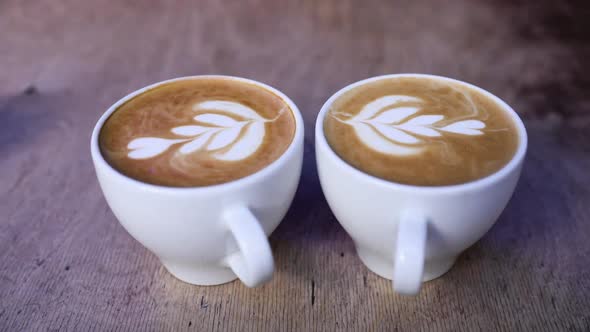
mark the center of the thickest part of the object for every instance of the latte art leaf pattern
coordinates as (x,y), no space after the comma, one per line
(389,125)
(223,136)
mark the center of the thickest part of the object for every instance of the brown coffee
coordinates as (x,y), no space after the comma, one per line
(421,131)
(197,132)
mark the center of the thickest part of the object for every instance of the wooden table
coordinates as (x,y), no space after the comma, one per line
(67,264)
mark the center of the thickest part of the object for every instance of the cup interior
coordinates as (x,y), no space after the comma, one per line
(514,162)
(100,161)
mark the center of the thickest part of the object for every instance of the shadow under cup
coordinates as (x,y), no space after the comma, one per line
(212,234)
(408,233)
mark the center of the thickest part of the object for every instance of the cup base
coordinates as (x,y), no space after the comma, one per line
(202,276)
(432,268)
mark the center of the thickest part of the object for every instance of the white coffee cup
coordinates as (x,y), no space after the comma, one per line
(406,233)
(207,235)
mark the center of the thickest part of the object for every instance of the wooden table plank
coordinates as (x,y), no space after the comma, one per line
(66,263)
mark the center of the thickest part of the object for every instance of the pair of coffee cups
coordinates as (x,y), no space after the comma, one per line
(214,234)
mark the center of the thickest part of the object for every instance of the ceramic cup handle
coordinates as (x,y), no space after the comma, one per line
(408,267)
(253,263)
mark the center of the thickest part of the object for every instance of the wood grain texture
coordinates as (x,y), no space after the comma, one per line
(67,264)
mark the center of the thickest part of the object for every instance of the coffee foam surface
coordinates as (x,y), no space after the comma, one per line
(197,132)
(420,131)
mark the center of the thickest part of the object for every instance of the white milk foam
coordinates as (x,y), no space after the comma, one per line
(224,137)
(388,127)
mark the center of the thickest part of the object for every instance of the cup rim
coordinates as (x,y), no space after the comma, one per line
(507,169)
(99,160)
